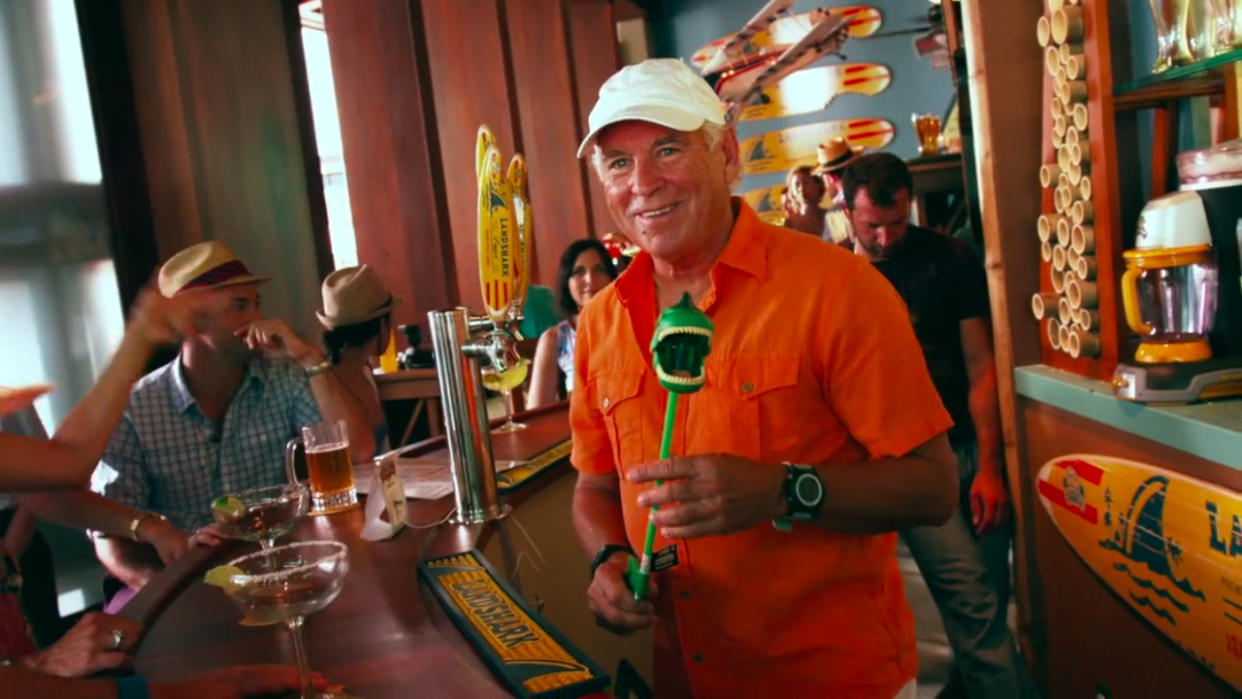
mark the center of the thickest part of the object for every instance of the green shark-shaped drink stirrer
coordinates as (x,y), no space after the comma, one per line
(680,345)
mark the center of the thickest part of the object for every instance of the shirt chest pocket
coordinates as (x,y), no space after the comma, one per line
(620,401)
(748,406)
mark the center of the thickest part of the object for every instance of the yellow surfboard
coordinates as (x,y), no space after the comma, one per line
(783,150)
(766,202)
(522,217)
(786,31)
(813,89)
(497,236)
(1167,544)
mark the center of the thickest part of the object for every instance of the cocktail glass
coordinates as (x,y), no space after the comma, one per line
(287,583)
(261,514)
(505,382)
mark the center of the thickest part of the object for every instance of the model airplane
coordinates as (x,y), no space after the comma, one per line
(734,48)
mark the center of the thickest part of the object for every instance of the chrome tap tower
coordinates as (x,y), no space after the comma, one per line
(466,345)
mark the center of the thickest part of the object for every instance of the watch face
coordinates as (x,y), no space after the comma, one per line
(808,490)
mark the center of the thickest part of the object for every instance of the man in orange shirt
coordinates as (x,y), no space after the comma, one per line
(818,432)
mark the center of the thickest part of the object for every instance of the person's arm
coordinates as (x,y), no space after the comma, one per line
(275,337)
(21,530)
(121,477)
(989,495)
(714,494)
(544,375)
(87,510)
(66,460)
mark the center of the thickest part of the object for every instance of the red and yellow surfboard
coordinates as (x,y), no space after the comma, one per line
(497,235)
(1170,546)
(766,202)
(780,151)
(813,89)
(786,31)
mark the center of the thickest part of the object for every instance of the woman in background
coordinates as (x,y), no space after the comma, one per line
(357,321)
(585,269)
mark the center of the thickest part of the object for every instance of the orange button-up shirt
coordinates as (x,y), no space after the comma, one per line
(813,360)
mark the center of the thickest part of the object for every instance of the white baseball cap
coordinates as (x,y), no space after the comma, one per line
(663,91)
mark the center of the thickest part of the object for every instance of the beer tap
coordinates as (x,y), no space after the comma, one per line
(466,345)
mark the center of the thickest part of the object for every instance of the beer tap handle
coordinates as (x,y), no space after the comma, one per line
(497,236)
(522,216)
(483,141)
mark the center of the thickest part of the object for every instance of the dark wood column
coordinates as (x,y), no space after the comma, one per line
(592,30)
(391,151)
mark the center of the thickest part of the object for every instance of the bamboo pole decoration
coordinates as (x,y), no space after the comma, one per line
(1045,254)
(1082,212)
(1084,188)
(1049,175)
(1078,343)
(1043,30)
(1079,116)
(1076,174)
(1071,260)
(1081,294)
(1059,125)
(1071,136)
(1058,142)
(1065,314)
(1063,199)
(1052,60)
(1071,91)
(1042,302)
(1064,231)
(1058,258)
(1064,181)
(1058,279)
(1054,334)
(1045,226)
(1056,107)
(1069,48)
(1088,319)
(1066,24)
(1063,336)
(1075,65)
(1054,5)
(1063,158)
(1084,267)
(1079,153)
(1082,239)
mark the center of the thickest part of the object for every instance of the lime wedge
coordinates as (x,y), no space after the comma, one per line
(228,505)
(222,577)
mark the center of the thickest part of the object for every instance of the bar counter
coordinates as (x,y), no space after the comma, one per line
(386,635)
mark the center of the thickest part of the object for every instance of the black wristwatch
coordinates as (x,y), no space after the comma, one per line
(605,553)
(804,493)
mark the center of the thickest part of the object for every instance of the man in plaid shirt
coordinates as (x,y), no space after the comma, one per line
(215,419)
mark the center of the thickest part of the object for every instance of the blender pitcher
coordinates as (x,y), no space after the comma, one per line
(1170,299)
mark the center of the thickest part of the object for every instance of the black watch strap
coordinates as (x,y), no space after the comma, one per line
(605,553)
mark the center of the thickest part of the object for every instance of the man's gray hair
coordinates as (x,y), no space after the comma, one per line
(713,136)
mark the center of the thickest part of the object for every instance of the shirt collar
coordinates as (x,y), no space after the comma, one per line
(744,252)
(256,374)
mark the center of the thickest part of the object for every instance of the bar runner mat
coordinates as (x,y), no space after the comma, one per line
(530,657)
(511,479)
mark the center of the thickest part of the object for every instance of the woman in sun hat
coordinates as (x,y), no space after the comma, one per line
(357,321)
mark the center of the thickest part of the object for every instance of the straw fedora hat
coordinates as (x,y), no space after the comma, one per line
(835,155)
(354,295)
(208,265)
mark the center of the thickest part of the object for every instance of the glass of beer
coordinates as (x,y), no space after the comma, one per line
(327,466)
(927,128)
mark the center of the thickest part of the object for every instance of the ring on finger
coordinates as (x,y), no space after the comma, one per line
(118,638)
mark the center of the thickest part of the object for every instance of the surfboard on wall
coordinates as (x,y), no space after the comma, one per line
(1167,544)
(785,149)
(813,89)
(766,202)
(787,31)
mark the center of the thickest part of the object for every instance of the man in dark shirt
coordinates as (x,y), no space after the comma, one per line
(945,290)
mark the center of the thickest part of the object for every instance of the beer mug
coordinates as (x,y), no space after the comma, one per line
(927,128)
(327,466)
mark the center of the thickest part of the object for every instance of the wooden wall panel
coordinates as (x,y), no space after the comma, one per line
(471,83)
(1003,64)
(1093,638)
(547,108)
(593,48)
(223,142)
(392,157)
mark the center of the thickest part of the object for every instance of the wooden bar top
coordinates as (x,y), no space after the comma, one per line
(384,636)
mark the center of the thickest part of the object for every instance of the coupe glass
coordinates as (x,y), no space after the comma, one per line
(261,514)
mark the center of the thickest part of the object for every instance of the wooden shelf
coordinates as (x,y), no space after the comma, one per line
(1194,80)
